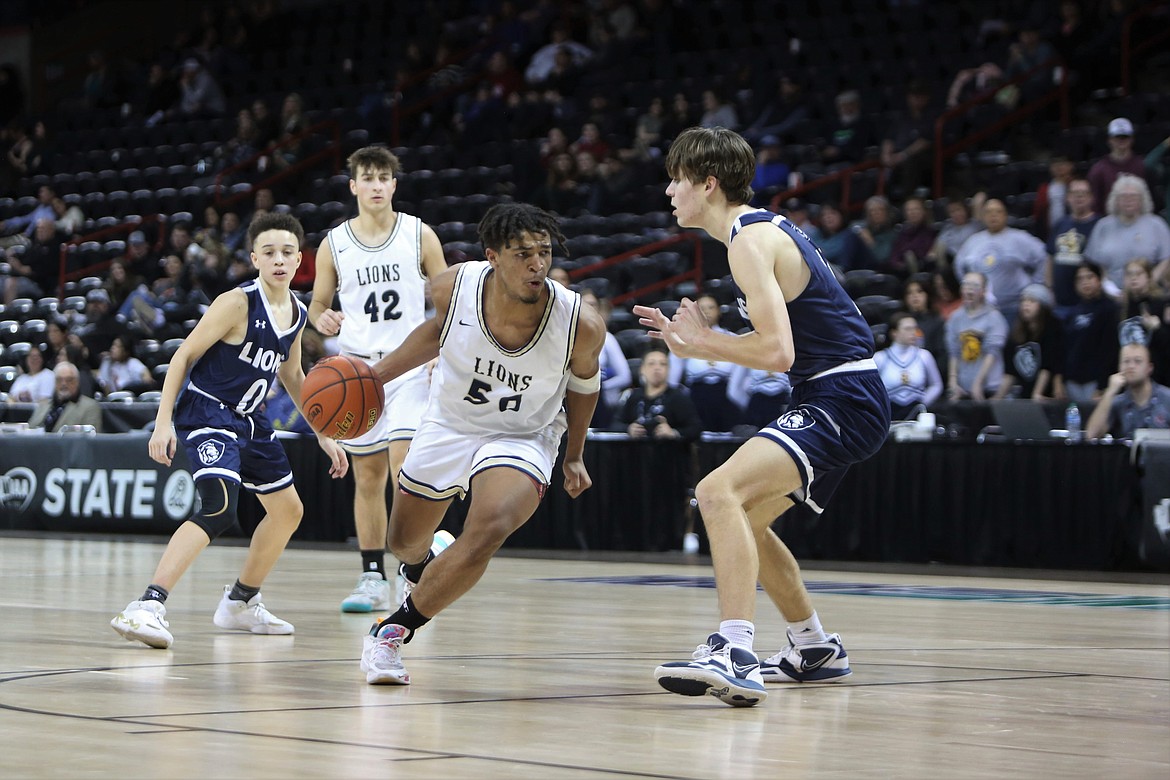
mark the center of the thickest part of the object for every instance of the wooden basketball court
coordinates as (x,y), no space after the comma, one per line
(545,671)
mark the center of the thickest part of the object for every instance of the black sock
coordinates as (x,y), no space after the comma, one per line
(374,560)
(407,616)
(155,593)
(413,571)
(242,592)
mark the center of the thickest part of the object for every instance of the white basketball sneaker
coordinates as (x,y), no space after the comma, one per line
(730,674)
(441,542)
(372,593)
(382,656)
(144,621)
(817,662)
(248,616)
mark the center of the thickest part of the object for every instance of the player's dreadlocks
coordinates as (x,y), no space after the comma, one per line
(504,222)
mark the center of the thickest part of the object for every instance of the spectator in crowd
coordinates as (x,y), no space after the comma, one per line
(161,93)
(786,115)
(907,141)
(199,94)
(615,369)
(70,218)
(279,406)
(26,224)
(1010,258)
(1067,241)
(101,325)
(241,147)
(762,395)
(678,118)
(878,231)
(121,370)
(25,154)
(1158,173)
(1132,399)
(948,296)
(918,302)
(707,380)
(916,236)
(1120,159)
(798,213)
(908,371)
(1052,203)
(655,409)
(1141,297)
(840,245)
(266,127)
(560,190)
(34,268)
(68,406)
(958,227)
(849,133)
(1129,230)
(718,111)
(120,282)
(1034,356)
(590,142)
(35,382)
(1090,337)
(771,171)
(976,335)
(544,59)
(1025,56)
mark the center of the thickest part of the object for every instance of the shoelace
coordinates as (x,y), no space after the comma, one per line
(387,650)
(702,652)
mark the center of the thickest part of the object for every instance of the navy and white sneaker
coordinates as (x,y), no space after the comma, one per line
(730,674)
(818,662)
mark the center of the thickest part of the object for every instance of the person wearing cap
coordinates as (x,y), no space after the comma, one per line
(1120,159)
(1033,358)
(771,171)
(199,94)
(139,257)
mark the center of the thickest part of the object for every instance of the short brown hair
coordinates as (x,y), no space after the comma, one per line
(699,152)
(374,158)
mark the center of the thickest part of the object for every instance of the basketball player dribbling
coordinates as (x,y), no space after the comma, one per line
(248,337)
(378,265)
(513,348)
(805,324)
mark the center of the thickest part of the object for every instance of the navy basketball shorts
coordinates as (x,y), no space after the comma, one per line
(223,444)
(835,421)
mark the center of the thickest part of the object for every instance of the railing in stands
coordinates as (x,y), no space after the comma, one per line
(695,274)
(844,176)
(331,150)
(1129,49)
(464,85)
(943,152)
(121,229)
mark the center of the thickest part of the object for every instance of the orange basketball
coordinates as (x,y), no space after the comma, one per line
(341,397)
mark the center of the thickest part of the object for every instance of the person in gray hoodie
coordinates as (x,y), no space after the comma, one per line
(976,334)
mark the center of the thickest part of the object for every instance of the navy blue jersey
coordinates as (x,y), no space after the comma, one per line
(239,376)
(827,328)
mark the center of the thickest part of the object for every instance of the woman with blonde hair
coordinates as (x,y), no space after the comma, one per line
(1131,229)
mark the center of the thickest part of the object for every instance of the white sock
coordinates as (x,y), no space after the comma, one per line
(739,633)
(806,632)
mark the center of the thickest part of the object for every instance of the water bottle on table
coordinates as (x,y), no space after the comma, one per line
(1072,421)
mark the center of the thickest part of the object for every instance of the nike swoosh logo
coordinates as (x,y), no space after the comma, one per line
(465,324)
(805,666)
(742,670)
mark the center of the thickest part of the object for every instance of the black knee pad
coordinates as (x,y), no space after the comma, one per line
(217,512)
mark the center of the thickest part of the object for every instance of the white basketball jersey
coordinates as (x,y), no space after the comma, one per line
(481,387)
(382,288)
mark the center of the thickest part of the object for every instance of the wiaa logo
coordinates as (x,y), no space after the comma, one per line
(17,489)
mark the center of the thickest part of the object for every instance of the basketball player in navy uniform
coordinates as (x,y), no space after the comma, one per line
(518,366)
(248,337)
(806,325)
(377,265)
